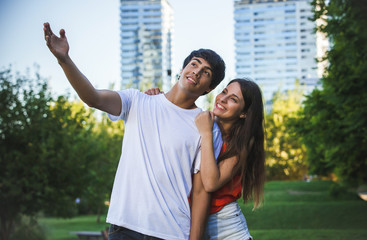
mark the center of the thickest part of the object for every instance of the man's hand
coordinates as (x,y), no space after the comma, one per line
(153,91)
(204,122)
(58,45)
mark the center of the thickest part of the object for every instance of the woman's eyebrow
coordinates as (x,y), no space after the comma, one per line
(235,95)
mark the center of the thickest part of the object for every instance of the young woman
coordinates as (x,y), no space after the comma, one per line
(240,167)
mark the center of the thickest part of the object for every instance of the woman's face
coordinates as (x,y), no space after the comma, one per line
(229,104)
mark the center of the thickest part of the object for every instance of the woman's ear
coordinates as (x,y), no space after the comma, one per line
(243,115)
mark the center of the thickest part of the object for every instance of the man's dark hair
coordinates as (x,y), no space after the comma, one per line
(215,62)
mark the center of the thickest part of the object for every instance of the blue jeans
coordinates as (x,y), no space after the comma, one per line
(120,233)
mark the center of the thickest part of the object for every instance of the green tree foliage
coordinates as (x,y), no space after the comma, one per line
(208,101)
(285,154)
(105,148)
(40,162)
(335,117)
(51,152)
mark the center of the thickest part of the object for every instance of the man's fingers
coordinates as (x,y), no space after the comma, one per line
(47,38)
(48,30)
(45,31)
(48,33)
(45,25)
(62,33)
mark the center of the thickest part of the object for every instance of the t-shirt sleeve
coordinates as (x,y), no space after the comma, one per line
(127,97)
(217,145)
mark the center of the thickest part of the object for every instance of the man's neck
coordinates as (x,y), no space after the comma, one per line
(180,98)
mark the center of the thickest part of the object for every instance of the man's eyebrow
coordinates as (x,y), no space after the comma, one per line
(198,60)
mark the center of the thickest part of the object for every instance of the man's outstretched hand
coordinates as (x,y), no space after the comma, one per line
(58,45)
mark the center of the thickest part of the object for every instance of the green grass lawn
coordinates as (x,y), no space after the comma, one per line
(291,210)
(61,229)
(305,210)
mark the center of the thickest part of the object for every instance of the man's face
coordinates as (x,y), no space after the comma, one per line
(197,76)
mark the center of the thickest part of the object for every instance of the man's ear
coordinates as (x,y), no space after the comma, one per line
(179,75)
(208,91)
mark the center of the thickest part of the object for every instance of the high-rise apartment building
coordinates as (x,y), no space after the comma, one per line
(276,44)
(146,43)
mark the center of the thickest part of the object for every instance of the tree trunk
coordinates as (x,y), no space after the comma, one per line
(6,227)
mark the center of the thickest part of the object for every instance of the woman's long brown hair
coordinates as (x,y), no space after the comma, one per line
(245,140)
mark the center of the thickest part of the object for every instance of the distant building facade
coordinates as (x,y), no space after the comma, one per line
(276,44)
(146,43)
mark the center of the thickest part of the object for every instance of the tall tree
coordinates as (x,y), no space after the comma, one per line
(335,117)
(105,148)
(42,162)
(285,153)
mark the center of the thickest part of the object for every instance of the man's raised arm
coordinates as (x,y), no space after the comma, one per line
(105,100)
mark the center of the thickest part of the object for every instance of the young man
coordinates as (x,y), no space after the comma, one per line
(161,148)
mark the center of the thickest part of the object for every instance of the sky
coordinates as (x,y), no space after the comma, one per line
(92,29)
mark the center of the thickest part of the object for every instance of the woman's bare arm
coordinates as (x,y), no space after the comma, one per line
(214,175)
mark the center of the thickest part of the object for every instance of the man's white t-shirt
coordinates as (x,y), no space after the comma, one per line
(160,152)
